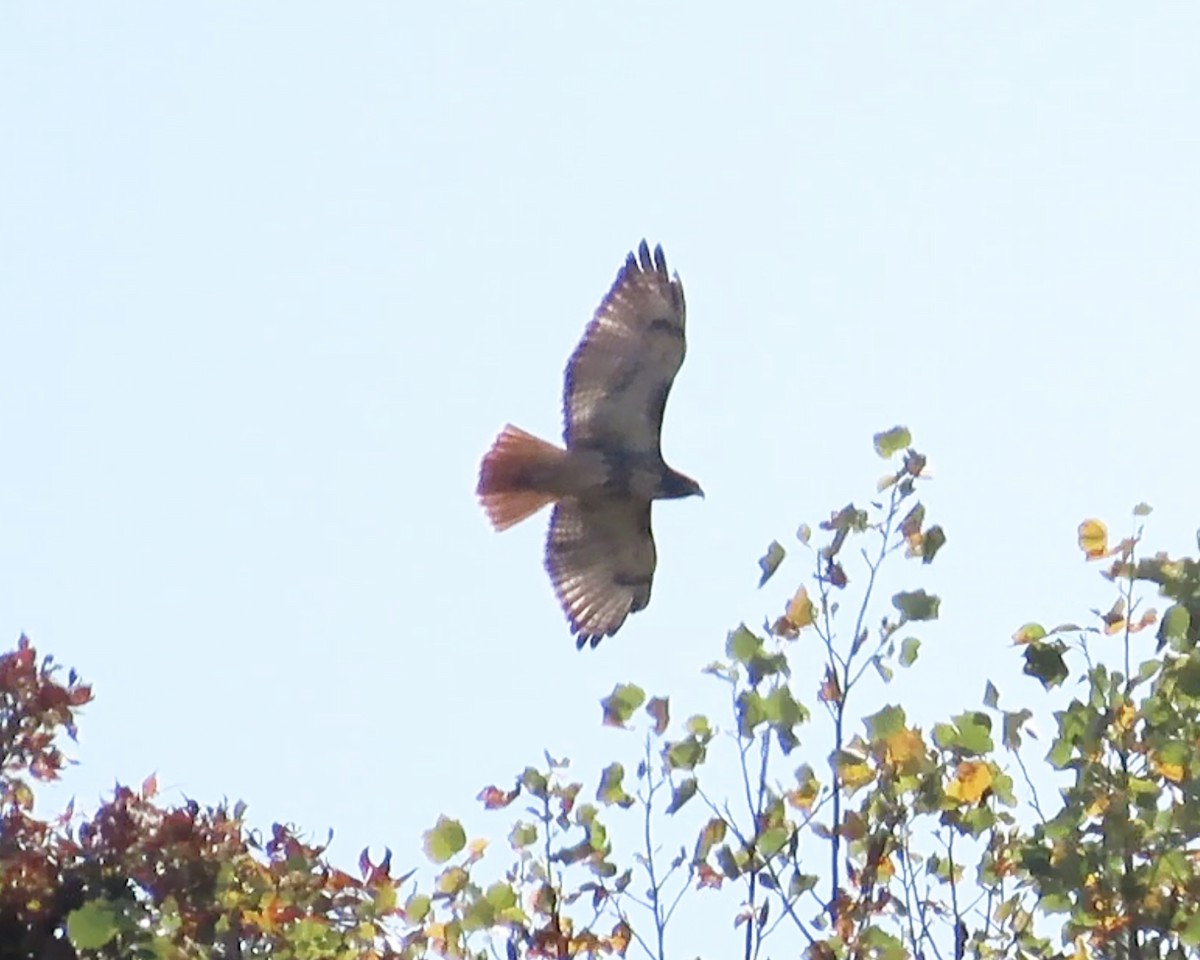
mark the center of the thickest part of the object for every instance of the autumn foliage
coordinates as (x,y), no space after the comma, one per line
(142,879)
(812,818)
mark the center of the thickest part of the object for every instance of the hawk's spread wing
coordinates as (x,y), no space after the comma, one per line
(621,372)
(600,557)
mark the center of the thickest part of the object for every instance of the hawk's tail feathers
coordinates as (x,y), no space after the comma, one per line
(513,474)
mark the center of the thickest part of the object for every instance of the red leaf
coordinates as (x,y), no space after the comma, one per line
(708,877)
(150,786)
(339,880)
(493,798)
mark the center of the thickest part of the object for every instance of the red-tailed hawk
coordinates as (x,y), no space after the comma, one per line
(600,549)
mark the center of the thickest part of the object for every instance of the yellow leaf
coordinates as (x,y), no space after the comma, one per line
(1126,717)
(887,870)
(1029,633)
(385,897)
(475,849)
(904,746)
(1114,620)
(1168,770)
(1093,539)
(620,937)
(800,611)
(452,880)
(971,781)
(855,775)
(804,796)
(1147,619)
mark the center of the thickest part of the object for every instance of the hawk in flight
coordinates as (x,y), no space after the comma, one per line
(600,549)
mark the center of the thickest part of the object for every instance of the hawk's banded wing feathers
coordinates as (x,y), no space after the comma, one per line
(620,374)
(600,557)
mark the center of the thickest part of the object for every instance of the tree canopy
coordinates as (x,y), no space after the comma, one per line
(814,817)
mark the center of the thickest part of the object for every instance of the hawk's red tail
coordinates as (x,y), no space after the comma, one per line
(513,475)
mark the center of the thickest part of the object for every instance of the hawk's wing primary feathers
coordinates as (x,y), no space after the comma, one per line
(620,374)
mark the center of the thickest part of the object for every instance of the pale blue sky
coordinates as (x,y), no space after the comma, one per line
(273,275)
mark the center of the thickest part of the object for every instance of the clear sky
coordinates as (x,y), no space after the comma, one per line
(273,275)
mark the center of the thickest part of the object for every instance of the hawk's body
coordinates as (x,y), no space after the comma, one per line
(600,550)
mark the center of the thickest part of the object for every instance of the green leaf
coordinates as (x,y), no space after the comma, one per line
(682,794)
(991,696)
(892,441)
(933,541)
(1174,626)
(1186,674)
(416,908)
(535,782)
(761,667)
(969,734)
(478,916)
(770,561)
(1143,510)
(887,721)
(444,840)
(908,651)
(742,645)
(621,703)
(782,710)
(801,883)
(1190,934)
(1014,722)
(585,814)
(771,841)
(945,735)
(882,944)
(501,896)
(1060,753)
(1044,661)
(685,754)
(916,605)
(92,926)
(974,732)
(611,789)
(698,726)
(751,712)
(598,836)
(522,835)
